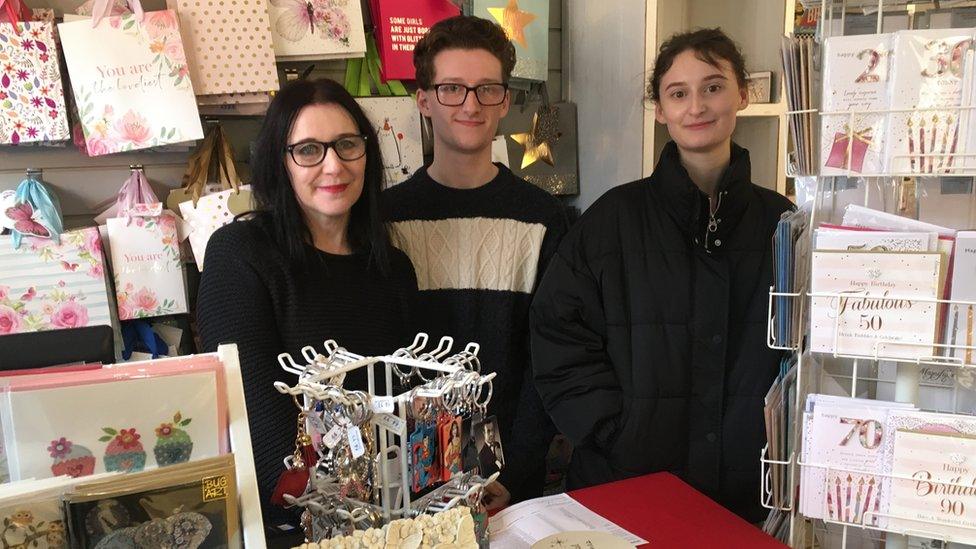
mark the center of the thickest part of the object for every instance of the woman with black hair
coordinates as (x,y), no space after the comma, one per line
(312,262)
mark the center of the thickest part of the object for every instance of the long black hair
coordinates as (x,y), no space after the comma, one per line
(272,189)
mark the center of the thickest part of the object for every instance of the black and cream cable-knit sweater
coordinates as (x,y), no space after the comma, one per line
(250,295)
(478,254)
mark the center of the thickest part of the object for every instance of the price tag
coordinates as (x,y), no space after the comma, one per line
(382,405)
(428,393)
(317,423)
(391,423)
(356,445)
(332,437)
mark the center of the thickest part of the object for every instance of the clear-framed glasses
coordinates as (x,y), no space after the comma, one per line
(454,95)
(311,153)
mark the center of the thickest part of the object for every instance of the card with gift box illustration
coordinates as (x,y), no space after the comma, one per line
(855,82)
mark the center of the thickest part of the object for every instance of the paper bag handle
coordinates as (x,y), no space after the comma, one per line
(214,154)
(103,8)
(44,209)
(17,12)
(135,190)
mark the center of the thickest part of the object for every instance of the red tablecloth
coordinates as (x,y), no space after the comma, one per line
(668,513)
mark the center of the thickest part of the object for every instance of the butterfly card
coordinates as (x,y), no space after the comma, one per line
(317,29)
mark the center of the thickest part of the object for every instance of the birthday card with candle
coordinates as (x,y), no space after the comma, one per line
(854,91)
(925,93)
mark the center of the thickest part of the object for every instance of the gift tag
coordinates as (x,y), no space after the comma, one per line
(382,405)
(356,445)
(391,423)
(428,393)
(8,199)
(332,437)
(316,421)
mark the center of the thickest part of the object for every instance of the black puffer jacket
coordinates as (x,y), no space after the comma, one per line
(649,331)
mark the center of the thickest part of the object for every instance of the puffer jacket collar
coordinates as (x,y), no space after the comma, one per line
(689,207)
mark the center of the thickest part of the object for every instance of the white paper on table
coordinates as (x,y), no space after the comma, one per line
(523,524)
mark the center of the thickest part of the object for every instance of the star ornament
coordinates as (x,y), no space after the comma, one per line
(536,148)
(513,20)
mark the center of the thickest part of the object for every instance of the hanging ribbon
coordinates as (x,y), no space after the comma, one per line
(864,136)
(103,8)
(36,212)
(16,12)
(363,74)
(134,191)
(140,331)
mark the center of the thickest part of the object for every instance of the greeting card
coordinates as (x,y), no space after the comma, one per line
(526,23)
(867,303)
(123,425)
(961,324)
(933,478)
(397,123)
(146,265)
(121,72)
(31,97)
(860,240)
(844,447)
(855,79)
(45,285)
(927,85)
(193,505)
(399,26)
(319,29)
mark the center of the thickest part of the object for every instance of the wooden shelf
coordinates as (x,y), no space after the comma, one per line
(763,109)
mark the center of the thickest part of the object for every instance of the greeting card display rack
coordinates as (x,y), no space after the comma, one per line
(854,371)
(450,383)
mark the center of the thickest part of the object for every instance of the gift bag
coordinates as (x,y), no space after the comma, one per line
(123,68)
(211,165)
(145,251)
(542,145)
(526,22)
(229,45)
(399,25)
(31,97)
(46,285)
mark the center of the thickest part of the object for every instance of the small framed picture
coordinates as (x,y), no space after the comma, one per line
(760,86)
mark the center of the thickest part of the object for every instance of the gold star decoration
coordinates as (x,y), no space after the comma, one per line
(513,20)
(536,146)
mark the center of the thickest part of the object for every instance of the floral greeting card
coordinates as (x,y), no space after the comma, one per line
(125,425)
(146,266)
(49,286)
(317,29)
(31,97)
(121,72)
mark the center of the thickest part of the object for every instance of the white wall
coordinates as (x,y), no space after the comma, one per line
(603,69)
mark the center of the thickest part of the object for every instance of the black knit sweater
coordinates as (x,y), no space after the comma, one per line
(478,254)
(252,296)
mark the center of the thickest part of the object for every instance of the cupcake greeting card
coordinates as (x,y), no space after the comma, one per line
(124,425)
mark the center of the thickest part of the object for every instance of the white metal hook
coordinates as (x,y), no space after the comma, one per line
(289,365)
(472,348)
(309,353)
(419,343)
(443,347)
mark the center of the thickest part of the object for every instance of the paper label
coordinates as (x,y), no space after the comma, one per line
(391,423)
(382,405)
(356,445)
(428,393)
(317,423)
(332,437)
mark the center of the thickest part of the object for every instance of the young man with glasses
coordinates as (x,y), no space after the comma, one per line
(479,236)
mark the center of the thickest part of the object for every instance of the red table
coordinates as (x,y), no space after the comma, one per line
(669,513)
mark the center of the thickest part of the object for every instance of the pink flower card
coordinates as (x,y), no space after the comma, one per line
(49,286)
(323,29)
(146,266)
(31,96)
(122,71)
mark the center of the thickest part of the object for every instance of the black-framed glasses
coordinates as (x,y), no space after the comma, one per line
(311,153)
(454,95)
